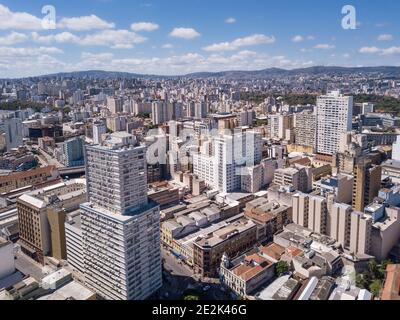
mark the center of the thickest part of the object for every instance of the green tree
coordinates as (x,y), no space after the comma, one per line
(375,288)
(282,267)
(191,298)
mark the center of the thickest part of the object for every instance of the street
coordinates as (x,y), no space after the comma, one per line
(179,280)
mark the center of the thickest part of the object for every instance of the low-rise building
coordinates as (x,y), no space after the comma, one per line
(247,275)
(270,217)
(233,239)
(19,180)
(392,283)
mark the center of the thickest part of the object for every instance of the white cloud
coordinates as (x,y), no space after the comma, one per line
(385,37)
(381,51)
(369,50)
(20,62)
(230,20)
(13,38)
(185,33)
(85,23)
(298,38)
(324,46)
(13,52)
(391,51)
(167,46)
(18,20)
(63,37)
(116,39)
(252,40)
(99,56)
(95,60)
(144,26)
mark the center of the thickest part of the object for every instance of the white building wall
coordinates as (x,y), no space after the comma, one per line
(334,117)
(7,262)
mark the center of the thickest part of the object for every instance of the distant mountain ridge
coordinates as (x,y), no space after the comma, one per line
(385,71)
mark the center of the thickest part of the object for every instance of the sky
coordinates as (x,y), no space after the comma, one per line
(174,37)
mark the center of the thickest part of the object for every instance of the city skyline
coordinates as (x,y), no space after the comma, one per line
(175,38)
(199,151)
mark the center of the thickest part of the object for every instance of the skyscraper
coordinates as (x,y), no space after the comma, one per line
(334,117)
(367,182)
(98,130)
(120,227)
(231,155)
(305,129)
(115,105)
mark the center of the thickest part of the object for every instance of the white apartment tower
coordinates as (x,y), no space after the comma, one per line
(232,155)
(98,130)
(120,227)
(334,117)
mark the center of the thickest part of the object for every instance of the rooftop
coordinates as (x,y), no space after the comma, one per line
(251,267)
(391,290)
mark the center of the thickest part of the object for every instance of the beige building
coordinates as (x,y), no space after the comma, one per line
(311,212)
(360,233)
(41,216)
(385,234)
(367,183)
(299,178)
(340,223)
(270,217)
(234,240)
(23,179)
(305,130)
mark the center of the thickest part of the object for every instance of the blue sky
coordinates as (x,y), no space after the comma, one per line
(178,37)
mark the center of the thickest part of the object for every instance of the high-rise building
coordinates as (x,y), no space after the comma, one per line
(72,152)
(231,155)
(317,214)
(334,117)
(310,212)
(11,128)
(300,209)
(360,233)
(161,112)
(367,108)
(120,226)
(115,105)
(299,178)
(98,130)
(396,150)
(340,223)
(200,110)
(116,123)
(367,183)
(278,124)
(305,129)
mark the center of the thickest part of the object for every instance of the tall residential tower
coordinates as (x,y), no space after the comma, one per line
(120,226)
(334,117)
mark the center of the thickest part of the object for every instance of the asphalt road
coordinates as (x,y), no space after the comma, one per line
(179,278)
